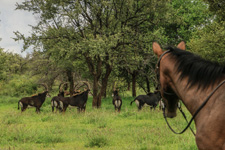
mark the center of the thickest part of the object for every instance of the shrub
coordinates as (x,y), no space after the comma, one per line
(98,141)
(18,85)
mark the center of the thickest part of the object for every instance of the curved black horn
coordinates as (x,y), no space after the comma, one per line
(61,86)
(114,85)
(45,85)
(76,87)
(84,83)
(87,84)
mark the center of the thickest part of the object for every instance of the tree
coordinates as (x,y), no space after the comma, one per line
(189,15)
(101,35)
(96,30)
(208,41)
(218,8)
(2,65)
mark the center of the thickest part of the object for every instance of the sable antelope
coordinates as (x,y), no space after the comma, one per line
(117,101)
(34,101)
(151,99)
(78,100)
(55,100)
(199,84)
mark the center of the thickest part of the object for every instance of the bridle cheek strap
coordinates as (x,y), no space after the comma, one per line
(158,62)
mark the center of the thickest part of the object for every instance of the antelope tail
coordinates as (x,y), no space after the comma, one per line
(52,103)
(18,105)
(132,102)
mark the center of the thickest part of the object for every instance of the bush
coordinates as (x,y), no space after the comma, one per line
(18,85)
(97,142)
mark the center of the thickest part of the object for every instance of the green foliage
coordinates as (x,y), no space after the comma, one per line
(113,33)
(96,140)
(10,64)
(18,85)
(209,42)
(3,75)
(218,7)
(189,15)
(87,37)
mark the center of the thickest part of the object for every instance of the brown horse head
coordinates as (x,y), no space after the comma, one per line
(200,85)
(166,86)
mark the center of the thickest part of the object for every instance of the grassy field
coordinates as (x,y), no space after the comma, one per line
(95,129)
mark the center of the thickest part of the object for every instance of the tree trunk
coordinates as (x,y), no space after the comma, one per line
(97,100)
(105,93)
(148,85)
(95,93)
(128,85)
(105,79)
(69,74)
(97,73)
(134,84)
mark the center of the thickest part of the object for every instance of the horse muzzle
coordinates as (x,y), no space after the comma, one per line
(171,114)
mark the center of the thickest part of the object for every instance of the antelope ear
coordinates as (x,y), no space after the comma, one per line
(182,45)
(157,49)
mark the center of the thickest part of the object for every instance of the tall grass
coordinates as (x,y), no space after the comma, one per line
(95,129)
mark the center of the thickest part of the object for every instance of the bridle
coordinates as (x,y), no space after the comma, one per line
(158,62)
(157,72)
(197,111)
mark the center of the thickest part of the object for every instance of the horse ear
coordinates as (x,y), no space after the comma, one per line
(157,49)
(182,45)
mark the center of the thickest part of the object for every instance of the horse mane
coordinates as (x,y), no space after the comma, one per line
(199,71)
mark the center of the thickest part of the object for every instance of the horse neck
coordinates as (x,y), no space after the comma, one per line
(192,97)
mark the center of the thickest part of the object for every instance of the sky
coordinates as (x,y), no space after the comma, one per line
(12,20)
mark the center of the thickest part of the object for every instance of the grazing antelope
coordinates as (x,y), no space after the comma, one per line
(151,99)
(117,101)
(34,101)
(55,100)
(78,100)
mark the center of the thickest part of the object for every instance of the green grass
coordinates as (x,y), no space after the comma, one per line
(95,129)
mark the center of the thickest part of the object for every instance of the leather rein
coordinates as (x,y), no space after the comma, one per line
(198,110)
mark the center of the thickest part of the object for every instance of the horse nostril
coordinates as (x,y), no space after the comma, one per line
(171,115)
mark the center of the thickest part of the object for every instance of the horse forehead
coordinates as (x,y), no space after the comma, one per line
(166,70)
(167,63)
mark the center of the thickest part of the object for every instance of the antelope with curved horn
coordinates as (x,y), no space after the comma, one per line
(34,101)
(117,101)
(77,100)
(75,91)
(55,100)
